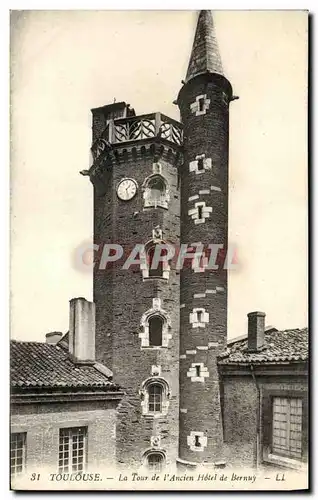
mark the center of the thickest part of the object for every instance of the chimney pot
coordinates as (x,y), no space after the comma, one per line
(82,330)
(256,329)
(53,337)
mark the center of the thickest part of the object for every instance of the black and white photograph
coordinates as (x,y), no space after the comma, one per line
(159,250)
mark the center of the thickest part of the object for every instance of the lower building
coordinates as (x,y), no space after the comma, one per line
(64,405)
(264,392)
(63,410)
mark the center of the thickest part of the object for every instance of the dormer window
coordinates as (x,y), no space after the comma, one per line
(155,192)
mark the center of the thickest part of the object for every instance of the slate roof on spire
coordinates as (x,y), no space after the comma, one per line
(205,55)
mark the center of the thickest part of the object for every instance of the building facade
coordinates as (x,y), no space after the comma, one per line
(149,359)
(62,401)
(264,397)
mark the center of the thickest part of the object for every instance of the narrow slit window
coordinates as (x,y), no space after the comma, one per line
(201,104)
(200,164)
(200,212)
(200,316)
(198,370)
(197,441)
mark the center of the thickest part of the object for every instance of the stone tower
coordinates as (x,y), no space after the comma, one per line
(137,207)
(145,310)
(204,105)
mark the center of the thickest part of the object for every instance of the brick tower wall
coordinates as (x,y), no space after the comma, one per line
(122,297)
(206,132)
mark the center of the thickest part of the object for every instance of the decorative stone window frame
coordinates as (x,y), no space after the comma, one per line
(155,310)
(192,372)
(144,394)
(146,191)
(195,106)
(144,264)
(194,317)
(151,451)
(194,165)
(191,440)
(195,212)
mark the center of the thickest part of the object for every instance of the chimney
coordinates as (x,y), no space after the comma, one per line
(82,330)
(53,337)
(256,328)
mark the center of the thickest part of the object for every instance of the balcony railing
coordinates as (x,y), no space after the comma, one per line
(137,128)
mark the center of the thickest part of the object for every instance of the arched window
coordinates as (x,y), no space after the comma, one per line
(155,398)
(155,462)
(155,264)
(155,325)
(155,269)
(155,395)
(155,192)
(157,188)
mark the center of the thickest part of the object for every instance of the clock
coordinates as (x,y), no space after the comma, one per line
(126,189)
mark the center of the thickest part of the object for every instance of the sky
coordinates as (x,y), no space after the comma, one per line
(63,63)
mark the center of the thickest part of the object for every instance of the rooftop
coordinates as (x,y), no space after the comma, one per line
(280,346)
(39,365)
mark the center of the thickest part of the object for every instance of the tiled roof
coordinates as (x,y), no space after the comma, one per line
(36,365)
(280,346)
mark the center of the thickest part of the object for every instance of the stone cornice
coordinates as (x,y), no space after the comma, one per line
(29,397)
(127,151)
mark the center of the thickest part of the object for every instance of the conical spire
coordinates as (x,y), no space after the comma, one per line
(205,56)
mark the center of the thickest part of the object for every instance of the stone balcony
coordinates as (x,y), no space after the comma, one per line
(147,127)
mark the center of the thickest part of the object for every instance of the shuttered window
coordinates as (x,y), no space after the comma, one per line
(287,427)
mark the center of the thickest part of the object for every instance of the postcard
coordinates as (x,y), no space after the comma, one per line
(159,317)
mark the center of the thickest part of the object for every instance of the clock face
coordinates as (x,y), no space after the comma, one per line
(126,189)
